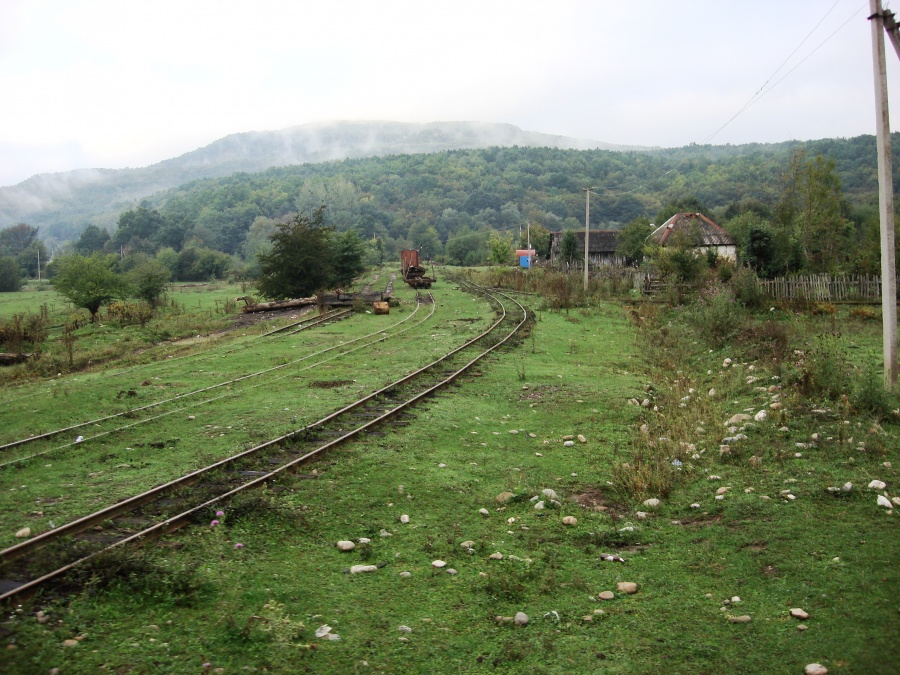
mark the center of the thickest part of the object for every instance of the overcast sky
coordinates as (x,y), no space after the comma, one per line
(113,83)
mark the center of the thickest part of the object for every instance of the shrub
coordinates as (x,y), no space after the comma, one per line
(716,316)
(864,314)
(870,396)
(822,370)
(746,289)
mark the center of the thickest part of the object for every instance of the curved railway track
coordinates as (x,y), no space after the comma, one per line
(170,506)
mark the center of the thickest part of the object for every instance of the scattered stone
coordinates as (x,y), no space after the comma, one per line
(405,575)
(570,520)
(735,420)
(549,493)
(744,618)
(385,533)
(191,417)
(627,587)
(24,532)
(606,595)
(798,613)
(361,569)
(438,564)
(722,490)
(521,619)
(695,506)
(641,515)
(569,444)
(514,431)
(568,437)
(652,503)
(802,627)
(712,393)
(504,497)
(404,519)
(452,572)
(496,556)
(885,502)
(404,629)
(344,545)
(539,506)
(484,512)
(760,416)
(815,669)
(468,544)
(713,477)
(877,485)
(755,461)
(581,439)
(846,487)
(70,643)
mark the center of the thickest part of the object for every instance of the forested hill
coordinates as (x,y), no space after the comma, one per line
(418,199)
(63,204)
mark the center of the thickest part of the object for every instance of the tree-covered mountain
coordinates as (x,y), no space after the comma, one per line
(63,204)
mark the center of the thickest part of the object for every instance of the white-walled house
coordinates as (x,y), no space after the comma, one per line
(712,237)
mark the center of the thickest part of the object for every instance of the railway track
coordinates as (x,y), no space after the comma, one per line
(372,338)
(191,497)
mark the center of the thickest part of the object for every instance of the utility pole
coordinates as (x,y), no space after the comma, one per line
(890,26)
(39,263)
(587,232)
(886,198)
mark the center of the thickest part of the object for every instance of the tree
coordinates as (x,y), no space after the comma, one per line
(92,239)
(149,280)
(633,239)
(9,275)
(300,262)
(347,250)
(16,239)
(500,247)
(568,247)
(89,282)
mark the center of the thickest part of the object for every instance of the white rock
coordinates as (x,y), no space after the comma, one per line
(652,503)
(581,439)
(570,520)
(404,518)
(735,599)
(539,506)
(484,512)
(549,493)
(569,444)
(695,506)
(361,569)
(521,619)
(847,487)
(345,545)
(641,514)
(760,416)
(877,485)
(23,533)
(496,556)
(712,393)
(468,544)
(798,613)
(451,571)
(404,629)
(385,533)
(405,574)
(323,630)
(885,502)
(738,419)
(438,564)
(815,669)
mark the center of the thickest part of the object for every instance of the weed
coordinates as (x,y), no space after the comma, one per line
(823,370)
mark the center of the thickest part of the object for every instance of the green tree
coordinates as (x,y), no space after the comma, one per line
(633,240)
(149,280)
(92,239)
(500,248)
(347,252)
(300,261)
(425,239)
(9,275)
(89,282)
(568,247)
(16,239)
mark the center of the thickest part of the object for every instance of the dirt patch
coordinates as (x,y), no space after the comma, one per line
(537,393)
(597,501)
(756,547)
(770,571)
(330,384)
(700,522)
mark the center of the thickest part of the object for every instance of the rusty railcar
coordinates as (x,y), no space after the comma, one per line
(412,272)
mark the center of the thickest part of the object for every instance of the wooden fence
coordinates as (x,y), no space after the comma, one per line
(825,288)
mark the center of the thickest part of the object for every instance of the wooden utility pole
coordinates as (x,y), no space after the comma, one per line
(886,199)
(587,232)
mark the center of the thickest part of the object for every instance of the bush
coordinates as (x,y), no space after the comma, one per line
(716,316)
(823,370)
(9,275)
(870,395)
(746,289)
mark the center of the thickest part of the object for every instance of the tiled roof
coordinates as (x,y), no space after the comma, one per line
(710,233)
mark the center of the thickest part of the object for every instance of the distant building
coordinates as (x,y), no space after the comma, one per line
(710,236)
(602,243)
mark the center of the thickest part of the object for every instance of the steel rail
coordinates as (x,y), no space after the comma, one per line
(174,522)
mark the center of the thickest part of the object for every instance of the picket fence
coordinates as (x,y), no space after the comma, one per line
(825,288)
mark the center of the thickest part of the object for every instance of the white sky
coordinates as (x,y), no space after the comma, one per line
(116,83)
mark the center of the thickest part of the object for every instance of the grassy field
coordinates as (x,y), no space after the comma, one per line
(607,406)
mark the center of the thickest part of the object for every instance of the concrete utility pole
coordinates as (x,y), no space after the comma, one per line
(886,198)
(587,231)
(890,25)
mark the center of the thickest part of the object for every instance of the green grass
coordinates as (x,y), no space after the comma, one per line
(256,608)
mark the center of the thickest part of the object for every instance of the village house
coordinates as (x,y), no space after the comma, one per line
(710,236)
(602,243)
